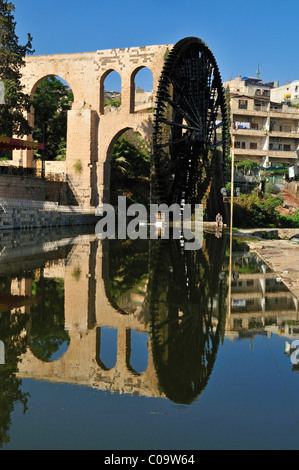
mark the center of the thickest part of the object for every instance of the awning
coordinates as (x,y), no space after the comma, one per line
(7,143)
(273,168)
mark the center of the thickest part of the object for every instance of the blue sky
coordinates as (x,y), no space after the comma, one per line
(242,35)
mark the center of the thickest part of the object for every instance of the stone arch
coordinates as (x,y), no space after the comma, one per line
(107,164)
(102,362)
(48,336)
(102,87)
(133,91)
(44,77)
(141,129)
(56,357)
(135,351)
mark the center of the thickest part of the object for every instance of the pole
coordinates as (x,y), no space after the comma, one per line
(232,184)
(231,231)
(44,150)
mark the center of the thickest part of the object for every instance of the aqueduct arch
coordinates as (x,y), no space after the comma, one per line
(87,311)
(144,131)
(90,132)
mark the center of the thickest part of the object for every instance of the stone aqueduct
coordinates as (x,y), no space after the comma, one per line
(91,133)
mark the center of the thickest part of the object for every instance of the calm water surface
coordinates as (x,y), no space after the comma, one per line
(142,345)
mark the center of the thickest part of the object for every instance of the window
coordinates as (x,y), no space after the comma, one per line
(287,147)
(239,145)
(243,104)
(253,146)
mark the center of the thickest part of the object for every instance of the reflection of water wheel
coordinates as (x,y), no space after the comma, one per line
(185,328)
(190,106)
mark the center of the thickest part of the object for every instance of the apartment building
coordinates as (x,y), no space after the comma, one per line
(288,93)
(264,130)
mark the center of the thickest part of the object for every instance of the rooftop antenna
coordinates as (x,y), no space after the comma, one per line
(258,72)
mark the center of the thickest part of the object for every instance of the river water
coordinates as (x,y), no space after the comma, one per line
(134,345)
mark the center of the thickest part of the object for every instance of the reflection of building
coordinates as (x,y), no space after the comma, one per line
(186,299)
(260,302)
(88,313)
(176,317)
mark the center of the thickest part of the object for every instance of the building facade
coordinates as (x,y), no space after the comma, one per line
(264,130)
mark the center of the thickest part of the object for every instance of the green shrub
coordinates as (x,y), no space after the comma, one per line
(78,167)
(252,211)
(113,103)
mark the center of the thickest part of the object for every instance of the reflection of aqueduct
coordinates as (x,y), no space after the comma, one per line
(87,310)
(91,133)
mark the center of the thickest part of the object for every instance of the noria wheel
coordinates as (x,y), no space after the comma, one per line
(189,124)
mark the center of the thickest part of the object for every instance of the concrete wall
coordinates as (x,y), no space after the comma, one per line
(293,188)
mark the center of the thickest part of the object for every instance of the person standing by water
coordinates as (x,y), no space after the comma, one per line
(219,220)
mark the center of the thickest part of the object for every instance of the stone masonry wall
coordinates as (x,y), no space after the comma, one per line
(17,187)
(36,189)
(19,218)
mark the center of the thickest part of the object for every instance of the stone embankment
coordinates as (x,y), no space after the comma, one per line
(281,255)
(22,214)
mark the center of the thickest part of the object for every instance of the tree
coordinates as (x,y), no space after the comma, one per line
(13,119)
(130,169)
(51,102)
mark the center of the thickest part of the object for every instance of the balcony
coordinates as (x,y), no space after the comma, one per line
(250,112)
(293,134)
(286,112)
(251,152)
(282,153)
(249,132)
(248,127)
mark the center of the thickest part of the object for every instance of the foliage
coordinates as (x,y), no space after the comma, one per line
(13,119)
(128,270)
(113,103)
(51,102)
(280,170)
(61,157)
(253,211)
(247,166)
(130,169)
(78,167)
(76,274)
(47,332)
(12,325)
